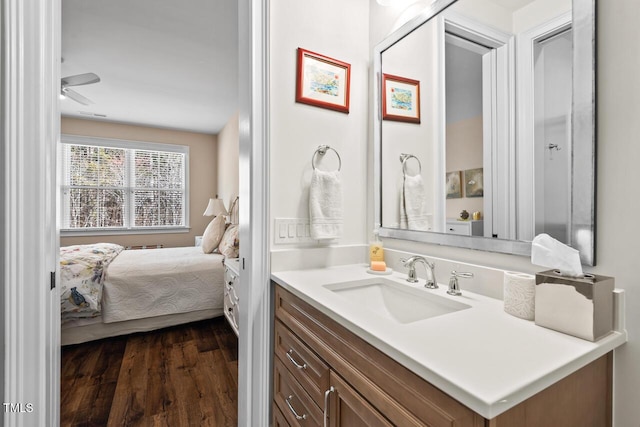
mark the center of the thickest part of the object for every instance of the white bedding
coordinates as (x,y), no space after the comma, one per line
(156,282)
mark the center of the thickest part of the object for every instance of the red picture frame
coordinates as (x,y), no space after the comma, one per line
(322,81)
(400,99)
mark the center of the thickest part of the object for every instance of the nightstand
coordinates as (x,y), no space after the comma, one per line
(231,280)
(465,228)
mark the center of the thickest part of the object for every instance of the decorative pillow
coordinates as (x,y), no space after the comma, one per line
(230,245)
(212,234)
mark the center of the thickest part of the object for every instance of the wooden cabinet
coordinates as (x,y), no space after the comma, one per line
(324,375)
(369,388)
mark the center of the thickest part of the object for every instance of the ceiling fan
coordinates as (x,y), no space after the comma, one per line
(77,80)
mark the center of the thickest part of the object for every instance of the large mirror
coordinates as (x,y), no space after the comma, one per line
(484,125)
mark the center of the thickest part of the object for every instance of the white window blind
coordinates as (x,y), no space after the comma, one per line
(127,186)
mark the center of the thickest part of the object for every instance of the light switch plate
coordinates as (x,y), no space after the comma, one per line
(292,230)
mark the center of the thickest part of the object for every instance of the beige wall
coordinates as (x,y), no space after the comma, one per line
(228,161)
(202,179)
(464,151)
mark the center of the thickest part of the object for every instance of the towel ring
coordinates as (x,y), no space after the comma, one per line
(404,157)
(322,150)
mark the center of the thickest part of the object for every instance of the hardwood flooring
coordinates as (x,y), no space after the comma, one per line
(180,376)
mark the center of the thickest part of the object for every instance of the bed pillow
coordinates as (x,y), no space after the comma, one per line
(230,245)
(212,234)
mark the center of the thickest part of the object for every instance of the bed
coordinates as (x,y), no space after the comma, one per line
(108,291)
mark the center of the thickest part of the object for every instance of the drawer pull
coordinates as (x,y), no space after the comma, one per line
(293,411)
(296,364)
(325,411)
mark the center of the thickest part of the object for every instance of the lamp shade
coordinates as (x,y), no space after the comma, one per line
(215,208)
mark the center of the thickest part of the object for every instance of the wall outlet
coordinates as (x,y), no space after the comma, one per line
(292,230)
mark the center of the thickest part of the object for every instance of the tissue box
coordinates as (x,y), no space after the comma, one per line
(579,307)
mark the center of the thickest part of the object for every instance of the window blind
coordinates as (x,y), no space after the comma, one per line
(122,188)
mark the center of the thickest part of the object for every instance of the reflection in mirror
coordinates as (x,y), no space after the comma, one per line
(494,133)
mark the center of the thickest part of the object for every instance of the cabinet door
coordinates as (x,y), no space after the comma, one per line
(349,409)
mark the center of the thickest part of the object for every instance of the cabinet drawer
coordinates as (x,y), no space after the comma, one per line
(231,312)
(278,418)
(463,229)
(296,405)
(230,278)
(231,292)
(304,364)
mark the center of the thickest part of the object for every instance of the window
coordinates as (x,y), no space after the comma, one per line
(123,185)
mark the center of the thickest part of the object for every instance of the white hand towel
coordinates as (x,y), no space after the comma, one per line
(325,205)
(413,212)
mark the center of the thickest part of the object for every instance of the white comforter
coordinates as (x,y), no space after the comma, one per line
(154,282)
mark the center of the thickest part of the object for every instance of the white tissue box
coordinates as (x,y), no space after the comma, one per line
(579,307)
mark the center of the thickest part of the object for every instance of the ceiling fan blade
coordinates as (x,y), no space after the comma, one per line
(76,96)
(80,79)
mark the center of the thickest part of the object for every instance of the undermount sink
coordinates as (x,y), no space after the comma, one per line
(393,301)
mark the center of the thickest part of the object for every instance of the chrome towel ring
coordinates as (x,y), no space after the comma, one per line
(322,150)
(404,158)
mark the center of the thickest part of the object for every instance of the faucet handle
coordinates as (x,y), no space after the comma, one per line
(454,288)
(464,275)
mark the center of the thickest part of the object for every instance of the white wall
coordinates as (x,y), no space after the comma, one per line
(618,154)
(228,161)
(338,29)
(418,139)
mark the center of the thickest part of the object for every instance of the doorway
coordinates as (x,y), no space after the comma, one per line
(552,134)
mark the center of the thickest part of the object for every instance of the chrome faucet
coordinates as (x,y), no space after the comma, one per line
(429,267)
(454,288)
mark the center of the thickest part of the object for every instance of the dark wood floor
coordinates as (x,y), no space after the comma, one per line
(180,376)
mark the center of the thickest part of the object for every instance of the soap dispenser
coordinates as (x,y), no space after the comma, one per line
(376,253)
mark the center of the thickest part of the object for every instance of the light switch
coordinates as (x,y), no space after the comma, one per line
(292,230)
(300,230)
(283,231)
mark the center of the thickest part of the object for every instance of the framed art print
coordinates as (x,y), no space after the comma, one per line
(474,182)
(322,81)
(400,99)
(453,185)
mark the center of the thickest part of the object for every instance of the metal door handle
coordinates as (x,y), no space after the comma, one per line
(293,411)
(325,411)
(296,364)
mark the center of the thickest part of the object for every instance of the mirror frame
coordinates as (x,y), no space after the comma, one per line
(583,121)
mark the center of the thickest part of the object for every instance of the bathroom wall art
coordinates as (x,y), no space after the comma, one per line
(322,81)
(400,99)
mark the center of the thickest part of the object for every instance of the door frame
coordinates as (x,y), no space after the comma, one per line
(499,128)
(255,338)
(29,114)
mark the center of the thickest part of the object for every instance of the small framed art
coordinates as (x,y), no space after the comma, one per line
(322,81)
(454,188)
(474,182)
(400,99)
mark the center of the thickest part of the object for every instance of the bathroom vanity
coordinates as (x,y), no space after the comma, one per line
(341,358)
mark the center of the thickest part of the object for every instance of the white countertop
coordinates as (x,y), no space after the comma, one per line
(485,358)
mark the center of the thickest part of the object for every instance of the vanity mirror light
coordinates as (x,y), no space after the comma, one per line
(506,130)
